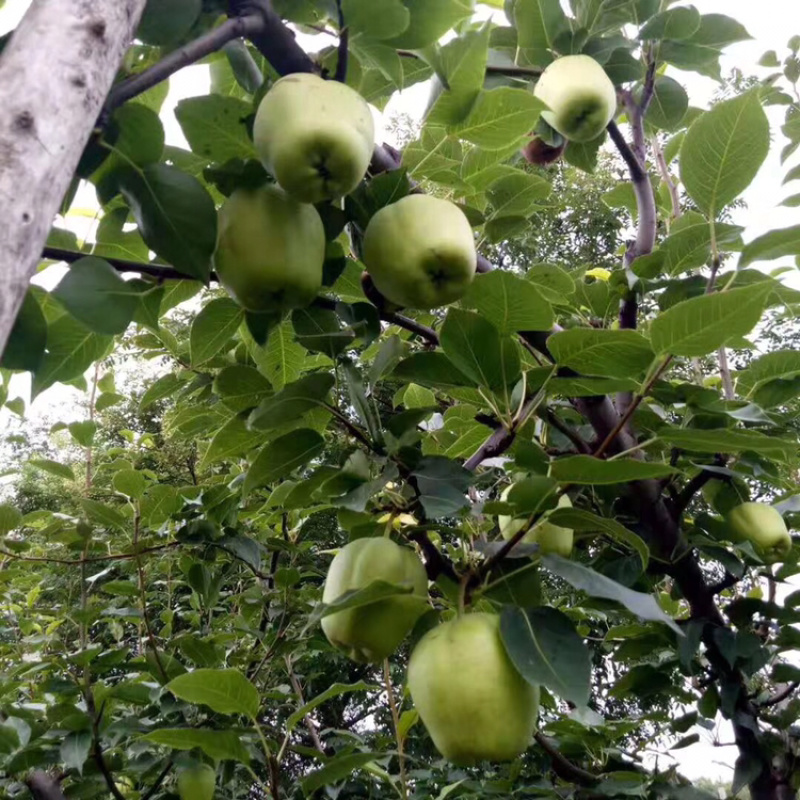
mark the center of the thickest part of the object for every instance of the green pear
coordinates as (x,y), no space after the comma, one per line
(420,252)
(197,783)
(372,632)
(580,97)
(270,250)
(763,527)
(470,697)
(314,136)
(550,538)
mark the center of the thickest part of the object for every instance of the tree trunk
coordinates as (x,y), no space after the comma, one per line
(54,76)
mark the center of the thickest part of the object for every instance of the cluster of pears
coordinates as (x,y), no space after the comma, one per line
(472,700)
(581,100)
(315,137)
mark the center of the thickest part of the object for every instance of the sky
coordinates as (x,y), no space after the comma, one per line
(770,23)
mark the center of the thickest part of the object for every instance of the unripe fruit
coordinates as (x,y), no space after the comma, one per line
(270,250)
(763,526)
(372,632)
(580,97)
(420,252)
(550,538)
(470,697)
(197,783)
(314,136)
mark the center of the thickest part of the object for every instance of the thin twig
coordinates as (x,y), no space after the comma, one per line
(76,562)
(159,780)
(387,677)
(298,690)
(780,696)
(342,50)
(554,421)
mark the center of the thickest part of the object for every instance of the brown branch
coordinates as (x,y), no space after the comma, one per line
(436,563)
(298,690)
(76,562)
(342,50)
(554,421)
(44,787)
(780,696)
(159,780)
(235,28)
(562,766)
(694,486)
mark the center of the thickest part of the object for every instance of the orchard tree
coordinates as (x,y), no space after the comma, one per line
(409,508)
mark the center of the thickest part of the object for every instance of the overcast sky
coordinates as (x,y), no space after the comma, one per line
(770,22)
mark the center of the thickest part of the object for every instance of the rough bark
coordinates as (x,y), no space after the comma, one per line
(54,76)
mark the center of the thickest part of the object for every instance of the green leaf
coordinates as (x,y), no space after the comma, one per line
(578,519)
(159,503)
(213,328)
(320,331)
(176,216)
(241,387)
(668,105)
(442,486)
(511,303)
(75,748)
(518,194)
(430,21)
(377,19)
(615,354)
(336,769)
(130,482)
(547,651)
(53,467)
(500,117)
(94,293)
(26,343)
(282,456)
(71,349)
(83,432)
(163,387)
(538,23)
(226,691)
(729,441)
(335,690)
(772,245)
(219,745)
(589,470)
(462,64)
(476,348)
(703,324)
(292,401)
(215,127)
(723,150)
(769,367)
(594,584)
(104,515)
(233,440)
(10,518)
(675,23)
(431,369)
(163,24)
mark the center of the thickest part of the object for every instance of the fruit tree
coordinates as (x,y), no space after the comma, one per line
(345,489)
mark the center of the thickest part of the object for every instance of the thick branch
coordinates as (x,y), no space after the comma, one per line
(342,50)
(55,72)
(564,768)
(780,696)
(44,787)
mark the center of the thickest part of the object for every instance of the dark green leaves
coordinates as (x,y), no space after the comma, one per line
(94,293)
(476,348)
(509,302)
(772,245)
(213,328)
(442,486)
(175,215)
(282,456)
(546,650)
(723,150)
(292,401)
(589,470)
(26,343)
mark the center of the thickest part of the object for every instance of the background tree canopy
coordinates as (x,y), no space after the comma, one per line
(163,558)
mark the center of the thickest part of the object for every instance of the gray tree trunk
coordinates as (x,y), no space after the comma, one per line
(54,76)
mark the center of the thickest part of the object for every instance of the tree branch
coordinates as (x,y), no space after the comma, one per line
(780,696)
(562,766)
(44,787)
(342,51)
(215,39)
